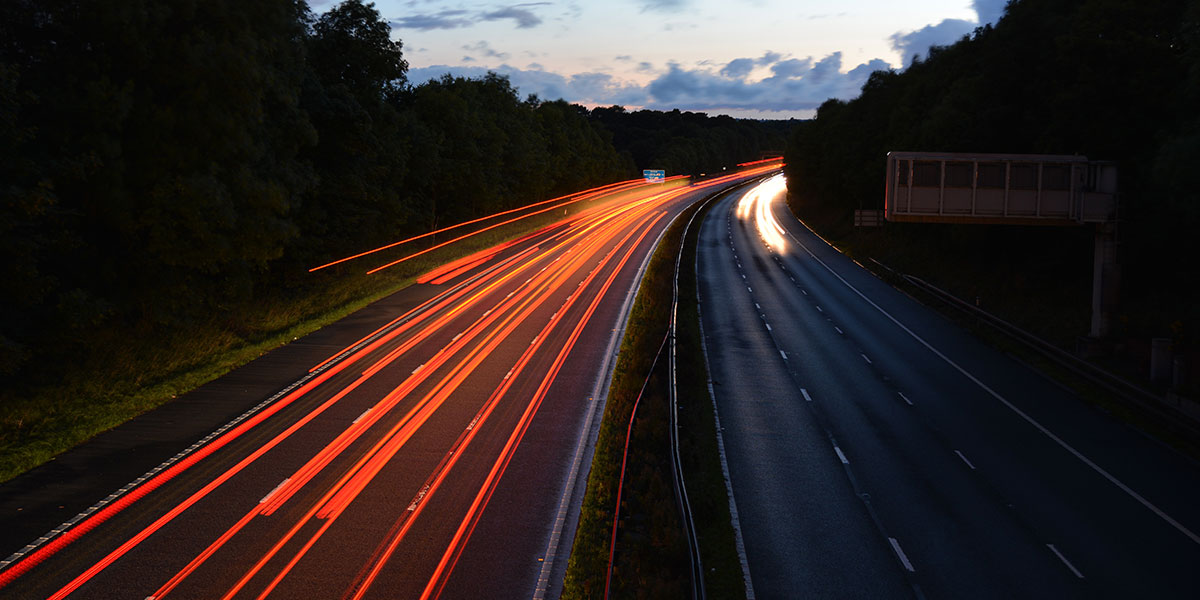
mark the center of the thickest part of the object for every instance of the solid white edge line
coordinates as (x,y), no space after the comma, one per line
(599,400)
(1069,448)
(964,459)
(900,554)
(1065,561)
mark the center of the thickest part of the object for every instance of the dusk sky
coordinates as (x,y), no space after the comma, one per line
(746,58)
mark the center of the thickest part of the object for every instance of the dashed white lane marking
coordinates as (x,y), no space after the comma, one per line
(1065,561)
(751,290)
(819,309)
(964,459)
(900,554)
(802,290)
(839,330)
(768,326)
(841,456)
(866,359)
(807,398)
(757,306)
(1180,527)
(905,398)
(783,354)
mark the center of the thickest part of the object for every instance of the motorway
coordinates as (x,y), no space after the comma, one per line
(437,448)
(876,450)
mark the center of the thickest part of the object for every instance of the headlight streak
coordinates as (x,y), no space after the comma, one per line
(758,202)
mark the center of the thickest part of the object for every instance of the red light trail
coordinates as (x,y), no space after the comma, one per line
(460,340)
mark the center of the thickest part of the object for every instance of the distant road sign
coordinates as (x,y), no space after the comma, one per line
(654,175)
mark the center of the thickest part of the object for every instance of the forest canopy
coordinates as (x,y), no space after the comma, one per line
(164,162)
(1113,80)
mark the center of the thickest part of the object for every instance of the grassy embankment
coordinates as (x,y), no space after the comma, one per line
(131,372)
(651,554)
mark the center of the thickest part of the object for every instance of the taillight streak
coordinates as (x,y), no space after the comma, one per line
(355,480)
(400,529)
(450,557)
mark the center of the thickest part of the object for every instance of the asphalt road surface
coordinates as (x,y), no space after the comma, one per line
(439,452)
(875,450)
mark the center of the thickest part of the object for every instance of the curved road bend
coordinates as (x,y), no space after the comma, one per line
(875,450)
(432,460)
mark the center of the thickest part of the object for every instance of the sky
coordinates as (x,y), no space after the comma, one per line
(773,59)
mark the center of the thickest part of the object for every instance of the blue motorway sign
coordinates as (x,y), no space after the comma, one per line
(654,175)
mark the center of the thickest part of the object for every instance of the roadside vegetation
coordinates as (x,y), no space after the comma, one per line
(651,554)
(1110,79)
(170,171)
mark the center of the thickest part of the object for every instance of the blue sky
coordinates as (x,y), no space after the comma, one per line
(746,58)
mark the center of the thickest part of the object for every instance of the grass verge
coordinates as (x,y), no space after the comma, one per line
(651,558)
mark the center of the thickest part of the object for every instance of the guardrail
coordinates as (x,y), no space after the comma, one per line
(684,505)
(1121,388)
(685,508)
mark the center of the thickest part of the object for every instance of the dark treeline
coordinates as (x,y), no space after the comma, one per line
(164,162)
(690,143)
(1110,79)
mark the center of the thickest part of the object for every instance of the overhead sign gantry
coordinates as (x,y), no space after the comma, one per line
(1014,189)
(1019,189)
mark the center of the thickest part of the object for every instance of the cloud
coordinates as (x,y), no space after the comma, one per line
(795,86)
(446,19)
(768,58)
(584,88)
(520,13)
(989,11)
(482,47)
(458,18)
(662,5)
(792,67)
(920,41)
(738,68)
(917,43)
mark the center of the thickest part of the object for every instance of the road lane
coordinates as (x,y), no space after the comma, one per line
(427,460)
(978,499)
(806,530)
